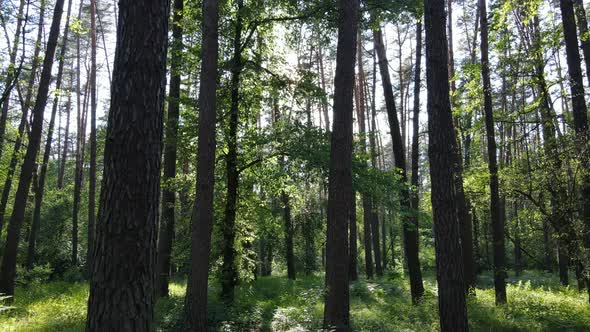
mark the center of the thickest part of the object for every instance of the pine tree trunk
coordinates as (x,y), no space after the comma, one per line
(340,192)
(43,171)
(229,273)
(66,146)
(495,203)
(410,229)
(449,261)
(353,237)
(124,254)
(195,308)
(8,269)
(166,230)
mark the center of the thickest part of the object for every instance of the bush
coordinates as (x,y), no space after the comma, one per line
(37,275)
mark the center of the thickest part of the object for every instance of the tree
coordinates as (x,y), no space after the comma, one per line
(8,269)
(410,229)
(340,193)
(124,254)
(495,204)
(195,307)
(166,231)
(449,261)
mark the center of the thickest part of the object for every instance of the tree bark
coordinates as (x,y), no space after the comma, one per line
(340,193)
(229,273)
(495,203)
(449,261)
(166,230)
(582,23)
(43,171)
(124,254)
(195,307)
(8,269)
(410,229)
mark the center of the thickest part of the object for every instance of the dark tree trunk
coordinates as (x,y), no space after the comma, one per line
(92,138)
(340,193)
(43,172)
(582,23)
(449,261)
(124,254)
(66,146)
(289,256)
(229,273)
(495,203)
(410,228)
(195,307)
(415,199)
(8,269)
(166,230)
(580,109)
(353,251)
(368,219)
(24,117)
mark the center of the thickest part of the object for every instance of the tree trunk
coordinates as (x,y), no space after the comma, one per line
(66,146)
(195,307)
(449,261)
(495,203)
(24,117)
(410,229)
(340,192)
(166,230)
(229,273)
(8,269)
(43,172)
(92,138)
(353,250)
(124,254)
(582,23)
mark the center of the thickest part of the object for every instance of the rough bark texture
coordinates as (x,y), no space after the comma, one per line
(43,171)
(124,254)
(195,307)
(449,261)
(495,203)
(166,230)
(229,272)
(410,228)
(582,23)
(336,309)
(353,237)
(8,269)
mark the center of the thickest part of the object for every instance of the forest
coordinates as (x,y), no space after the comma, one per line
(294,165)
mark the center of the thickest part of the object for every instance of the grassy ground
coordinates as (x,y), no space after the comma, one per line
(536,303)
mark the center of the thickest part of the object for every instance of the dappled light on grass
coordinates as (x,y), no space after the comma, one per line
(536,302)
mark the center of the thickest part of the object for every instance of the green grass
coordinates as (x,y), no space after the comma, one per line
(536,303)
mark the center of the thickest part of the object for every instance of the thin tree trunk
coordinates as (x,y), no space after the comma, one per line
(340,192)
(195,307)
(353,250)
(582,23)
(166,230)
(449,261)
(43,171)
(410,229)
(124,254)
(64,156)
(495,203)
(8,269)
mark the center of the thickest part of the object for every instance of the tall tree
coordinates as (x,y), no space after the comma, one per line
(340,193)
(195,307)
(410,228)
(92,138)
(8,269)
(124,254)
(166,230)
(43,171)
(497,217)
(449,262)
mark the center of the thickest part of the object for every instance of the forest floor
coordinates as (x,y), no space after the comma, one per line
(536,303)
